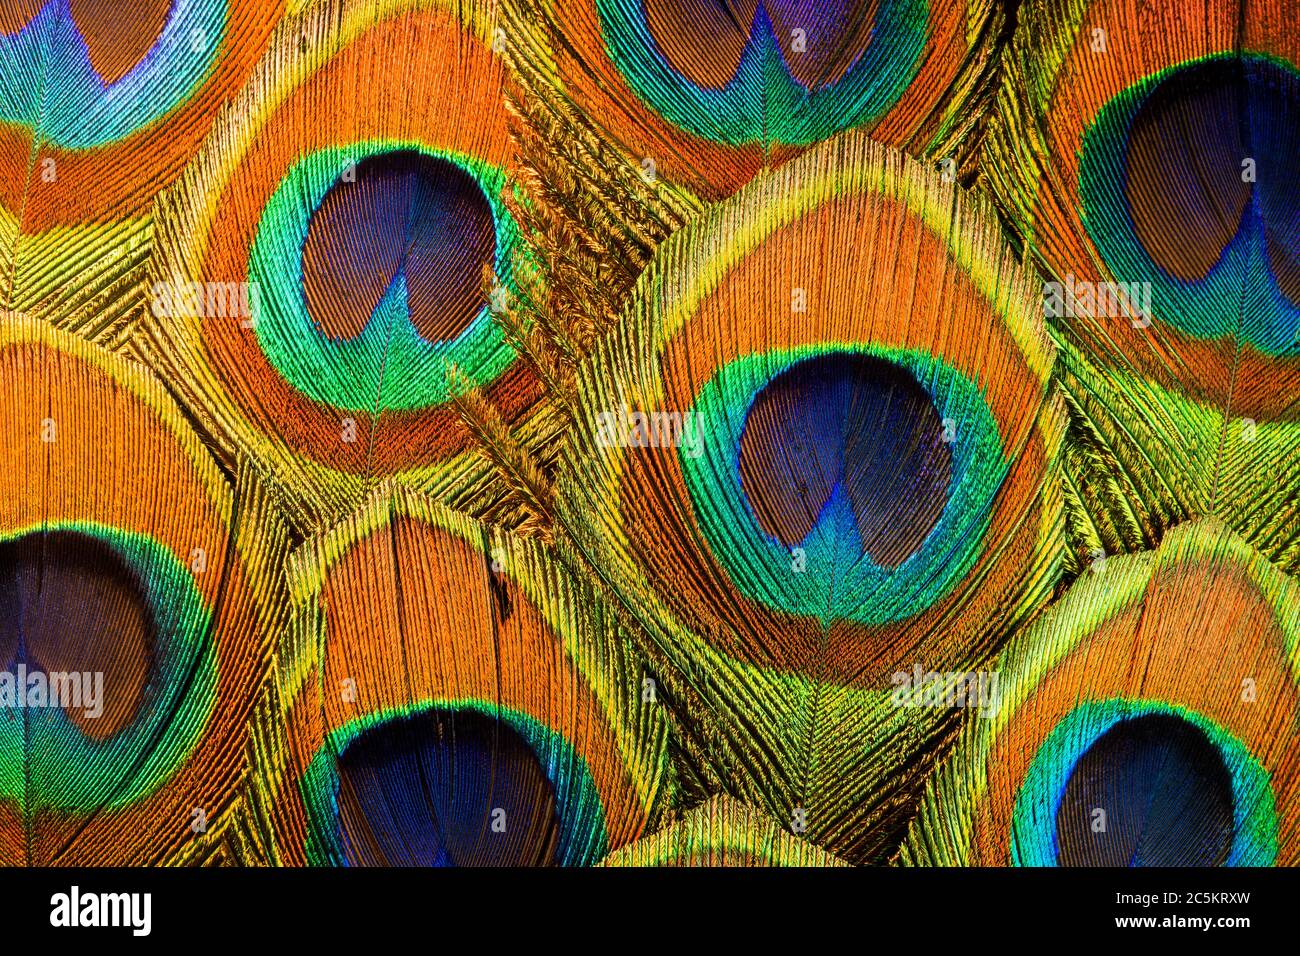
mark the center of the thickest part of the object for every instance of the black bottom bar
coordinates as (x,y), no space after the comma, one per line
(494,908)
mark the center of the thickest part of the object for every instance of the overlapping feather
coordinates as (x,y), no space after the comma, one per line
(320,265)
(1148,718)
(446,694)
(781,573)
(1145,150)
(155,593)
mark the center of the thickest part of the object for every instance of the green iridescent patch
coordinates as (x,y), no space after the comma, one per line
(46,762)
(1033,825)
(836,580)
(344,374)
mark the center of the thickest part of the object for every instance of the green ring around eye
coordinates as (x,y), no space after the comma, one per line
(83,774)
(344,374)
(583,838)
(760,566)
(1033,831)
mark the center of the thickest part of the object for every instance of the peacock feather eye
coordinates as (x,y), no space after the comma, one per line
(842,456)
(454,698)
(423,219)
(351,209)
(844,430)
(706,43)
(104,105)
(49,578)
(1220,257)
(1118,740)
(424,789)
(95,601)
(1154,182)
(388,286)
(816,452)
(134,613)
(1166,790)
(711,91)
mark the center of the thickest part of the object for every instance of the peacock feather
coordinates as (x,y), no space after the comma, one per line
(103,104)
(150,599)
(447,695)
(722,832)
(819,449)
(644,433)
(319,279)
(707,93)
(1146,153)
(1147,719)
(590,219)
